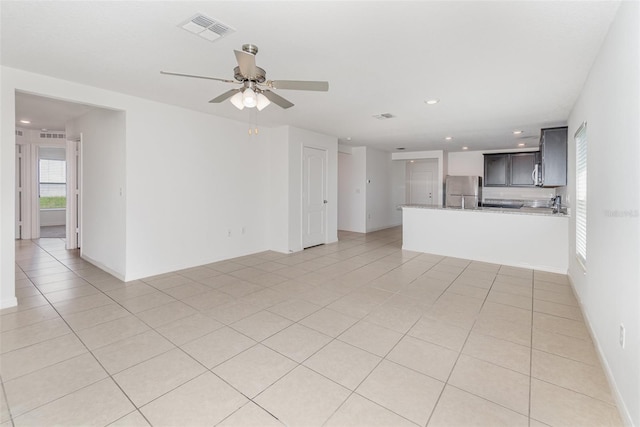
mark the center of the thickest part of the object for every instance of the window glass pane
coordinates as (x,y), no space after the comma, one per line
(53,186)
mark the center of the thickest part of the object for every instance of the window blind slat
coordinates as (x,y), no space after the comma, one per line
(581,194)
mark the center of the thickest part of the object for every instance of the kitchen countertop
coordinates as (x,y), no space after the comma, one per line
(509,211)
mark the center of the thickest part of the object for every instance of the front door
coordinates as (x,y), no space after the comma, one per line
(314,197)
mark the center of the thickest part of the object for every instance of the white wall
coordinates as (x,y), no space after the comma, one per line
(609,291)
(279,189)
(103,208)
(352,190)
(188,178)
(380,210)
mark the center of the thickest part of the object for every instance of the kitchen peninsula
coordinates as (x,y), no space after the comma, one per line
(519,238)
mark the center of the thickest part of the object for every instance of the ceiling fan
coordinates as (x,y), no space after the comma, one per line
(255,90)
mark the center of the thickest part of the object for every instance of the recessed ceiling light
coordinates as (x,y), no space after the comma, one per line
(348,138)
(44,129)
(517,132)
(521,144)
(411,161)
(465,148)
(448,138)
(26,122)
(432,101)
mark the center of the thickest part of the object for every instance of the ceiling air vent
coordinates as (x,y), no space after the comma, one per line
(383,116)
(206,27)
(18,133)
(52,135)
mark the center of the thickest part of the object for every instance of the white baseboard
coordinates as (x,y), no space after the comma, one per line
(8,302)
(102,267)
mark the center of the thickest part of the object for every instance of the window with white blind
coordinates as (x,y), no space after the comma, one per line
(581,194)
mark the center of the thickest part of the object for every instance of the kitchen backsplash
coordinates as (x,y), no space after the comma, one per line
(518,193)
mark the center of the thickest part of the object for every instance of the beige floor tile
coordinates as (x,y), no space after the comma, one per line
(131,290)
(517,284)
(565,346)
(553,287)
(27,317)
(461,288)
(96,405)
(124,354)
(499,352)
(303,398)
(110,332)
(32,334)
(557,406)
(208,300)
(294,309)
(90,318)
(188,328)
(516,272)
(240,289)
(567,373)
(232,312)
(166,313)
(343,363)
(425,357)
(68,294)
(191,403)
(5,415)
(328,322)
(519,301)
(397,318)
(155,377)
(81,304)
(499,385)
(506,312)
(560,326)
(402,390)
(250,415)
(218,346)
(556,309)
(459,408)
(545,276)
(254,369)
(557,297)
(372,338)
(441,333)
(321,296)
(517,332)
(48,384)
(360,412)
(261,325)
(35,357)
(146,302)
(297,342)
(133,419)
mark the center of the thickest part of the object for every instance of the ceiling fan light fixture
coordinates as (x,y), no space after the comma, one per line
(236,100)
(249,98)
(262,102)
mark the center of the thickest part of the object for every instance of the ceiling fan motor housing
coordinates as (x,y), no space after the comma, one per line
(260,76)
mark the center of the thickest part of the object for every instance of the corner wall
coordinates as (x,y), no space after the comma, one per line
(103,208)
(609,290)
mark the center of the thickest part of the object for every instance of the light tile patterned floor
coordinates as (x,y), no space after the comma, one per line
(356,333)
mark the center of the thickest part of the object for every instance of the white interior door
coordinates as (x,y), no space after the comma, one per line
(422,182)
(314,197)
(73,193)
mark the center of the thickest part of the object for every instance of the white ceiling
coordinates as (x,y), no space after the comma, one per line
(495,66)
(46,113)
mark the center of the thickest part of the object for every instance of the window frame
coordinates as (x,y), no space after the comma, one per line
(581,141)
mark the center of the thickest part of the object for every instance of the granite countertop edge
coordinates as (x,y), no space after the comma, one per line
(488,210)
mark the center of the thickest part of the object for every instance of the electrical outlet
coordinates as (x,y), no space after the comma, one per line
(229,232)
(622,337)
(243,230)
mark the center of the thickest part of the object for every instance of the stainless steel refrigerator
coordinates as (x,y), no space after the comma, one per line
(463,192)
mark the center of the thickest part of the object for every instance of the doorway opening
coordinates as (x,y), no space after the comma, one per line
(422,182)
(52,191)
